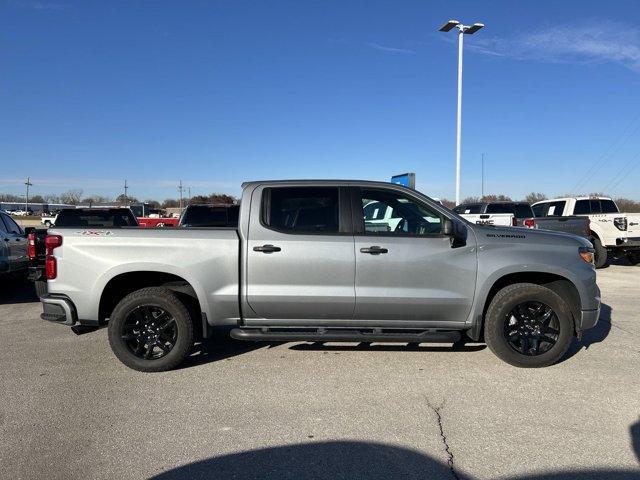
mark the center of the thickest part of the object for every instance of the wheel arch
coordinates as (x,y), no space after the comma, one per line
(122,284)
(561,285)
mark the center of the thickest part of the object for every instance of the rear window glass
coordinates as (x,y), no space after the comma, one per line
(499,208)
(472,208)
(96,218)
(523,211)
(210,216)
(582,208)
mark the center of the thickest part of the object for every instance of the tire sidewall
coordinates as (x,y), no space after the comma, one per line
(503,304)
(168,302)
(601,253)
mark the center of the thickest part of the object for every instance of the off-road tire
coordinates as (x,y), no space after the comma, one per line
(600,259)
(497,314)
(156,297)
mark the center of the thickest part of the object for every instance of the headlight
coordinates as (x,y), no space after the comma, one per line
(587,254)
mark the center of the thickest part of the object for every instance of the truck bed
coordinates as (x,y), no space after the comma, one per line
(207,258)
(576,225)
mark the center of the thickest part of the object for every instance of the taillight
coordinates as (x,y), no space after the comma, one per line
(51,267)
(620,223)
(51,242)
(31,246)
(530,223)
(50,264)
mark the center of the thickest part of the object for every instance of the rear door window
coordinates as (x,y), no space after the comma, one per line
(302,209)
(540,210)
(608,206)
(11,226)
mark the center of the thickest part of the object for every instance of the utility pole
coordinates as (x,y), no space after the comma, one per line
(26,203)
(180,189)
(126,188)
(189,197)
(483,174)
(462,30)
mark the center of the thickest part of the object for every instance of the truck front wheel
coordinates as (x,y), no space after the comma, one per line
(600,259)
(528,325)
(150,330)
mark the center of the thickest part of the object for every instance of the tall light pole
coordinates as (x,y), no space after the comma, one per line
(26,198)
(126,188)
(462,30)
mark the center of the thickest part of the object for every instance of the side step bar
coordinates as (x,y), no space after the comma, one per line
(345,335)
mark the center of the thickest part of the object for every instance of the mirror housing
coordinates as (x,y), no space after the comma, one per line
(28,230)
(447,227)
(457,231)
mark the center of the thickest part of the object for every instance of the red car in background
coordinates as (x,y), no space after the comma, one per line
(152,218)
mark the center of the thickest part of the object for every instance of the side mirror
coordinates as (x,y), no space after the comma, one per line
(457,231)
(28,230)
(447,228)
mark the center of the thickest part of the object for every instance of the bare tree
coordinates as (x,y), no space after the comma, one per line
(534,197)
(448,203)
(72,197)
(627,205)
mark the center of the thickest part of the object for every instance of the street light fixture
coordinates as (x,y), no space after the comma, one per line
(462,30)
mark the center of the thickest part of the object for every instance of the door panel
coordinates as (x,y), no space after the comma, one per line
(311,275)
(415,273)
(16,244)
(417,279)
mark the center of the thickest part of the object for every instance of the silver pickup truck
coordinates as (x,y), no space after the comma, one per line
(305,264)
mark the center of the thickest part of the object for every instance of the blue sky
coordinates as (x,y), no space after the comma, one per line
(219,92)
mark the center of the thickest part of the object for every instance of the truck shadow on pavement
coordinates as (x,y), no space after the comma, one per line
(17,290)
(634,430)
(349,460)
(221,347)
(592,336)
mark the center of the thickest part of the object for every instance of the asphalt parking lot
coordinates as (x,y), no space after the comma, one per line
(68,409)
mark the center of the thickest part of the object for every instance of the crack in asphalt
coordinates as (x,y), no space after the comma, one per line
(443,437)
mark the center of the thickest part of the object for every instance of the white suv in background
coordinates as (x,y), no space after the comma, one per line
(613,233)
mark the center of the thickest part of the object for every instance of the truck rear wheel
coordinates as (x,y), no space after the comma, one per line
(600,259)
(528,325)
(150,330)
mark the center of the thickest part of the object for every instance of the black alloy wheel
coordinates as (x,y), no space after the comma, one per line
(531,328)
(149,332)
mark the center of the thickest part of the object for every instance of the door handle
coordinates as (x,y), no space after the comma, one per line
(374,250)
(267,249)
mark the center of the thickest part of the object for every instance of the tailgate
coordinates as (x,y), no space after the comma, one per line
(498,219)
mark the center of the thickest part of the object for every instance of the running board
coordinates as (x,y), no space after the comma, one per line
(365,335)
